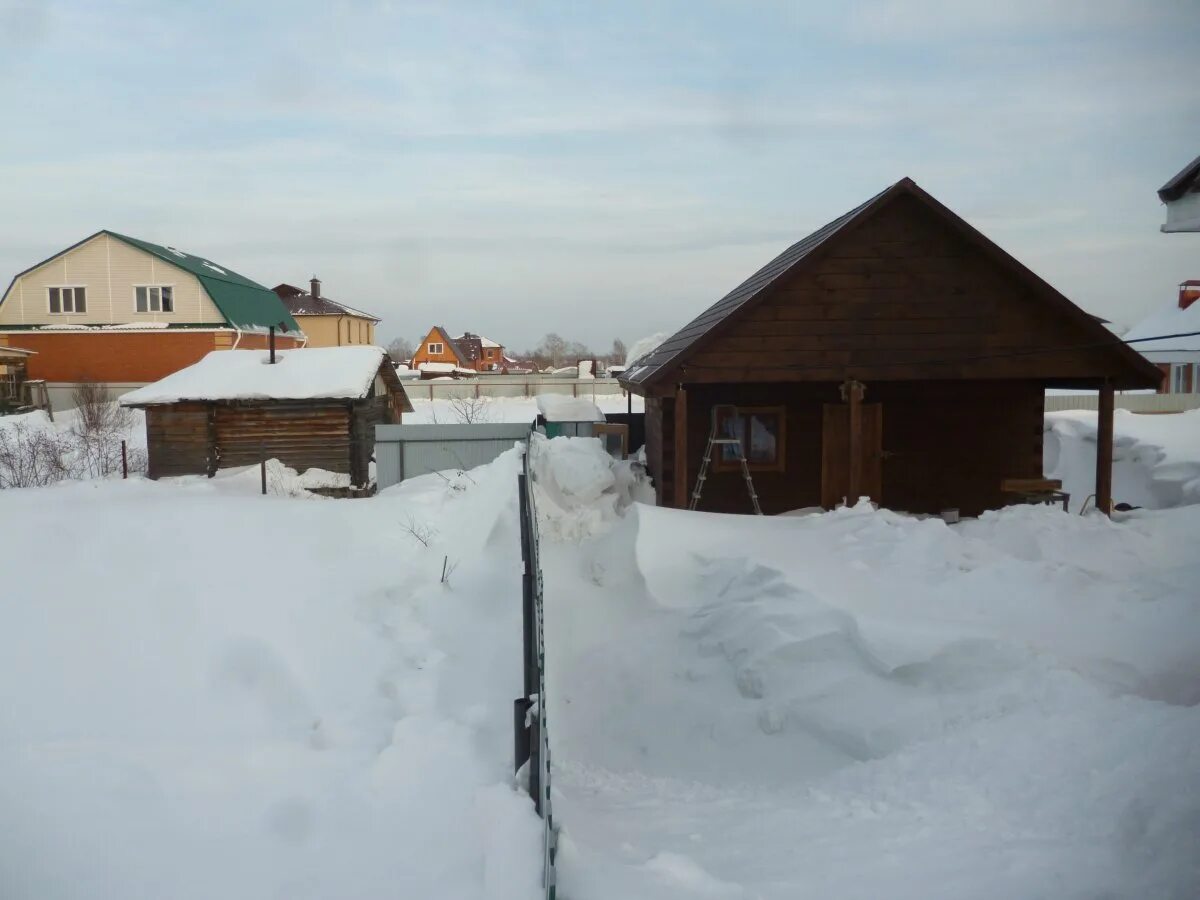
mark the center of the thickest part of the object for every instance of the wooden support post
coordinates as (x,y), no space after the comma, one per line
(1104,449)
(124,460)
(680,498)
(853,391)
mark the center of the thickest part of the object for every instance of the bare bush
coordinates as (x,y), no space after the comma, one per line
(31,457)
(99,427)
(470,410)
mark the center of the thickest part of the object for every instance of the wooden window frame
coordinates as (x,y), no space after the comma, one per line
(778,464)
(62,311)
(149,308)
(441,348)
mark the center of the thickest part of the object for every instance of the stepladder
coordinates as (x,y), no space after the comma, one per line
(729,445)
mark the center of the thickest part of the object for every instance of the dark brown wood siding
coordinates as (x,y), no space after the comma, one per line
(177,440)
(945,444)
(900,296)
(301,435)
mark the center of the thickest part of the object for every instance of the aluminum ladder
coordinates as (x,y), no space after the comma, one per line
(716,440)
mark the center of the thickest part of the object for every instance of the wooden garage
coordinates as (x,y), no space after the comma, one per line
(309,408)
(895,353)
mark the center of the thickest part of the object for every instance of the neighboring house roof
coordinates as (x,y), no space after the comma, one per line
(486,343)
(341,373)
(675,350)
(1181,183)
(1170,320)
(243,303)
(15,352)
(300,302)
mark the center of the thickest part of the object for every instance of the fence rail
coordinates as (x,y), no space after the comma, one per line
(1138,403)
(531,739)
(511,386)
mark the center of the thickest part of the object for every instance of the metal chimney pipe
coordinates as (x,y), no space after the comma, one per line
(314,286)
(272,343)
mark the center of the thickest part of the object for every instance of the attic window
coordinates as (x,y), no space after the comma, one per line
(436,348)
(154,298)
(68,300)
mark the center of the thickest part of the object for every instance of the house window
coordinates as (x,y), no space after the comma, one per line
(490,353)
(154,298)
(1178,378)
(68,300)
(436,349)
(761,431)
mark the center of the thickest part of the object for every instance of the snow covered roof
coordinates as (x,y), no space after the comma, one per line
(483,342)
(561,408)
(1171,320)
(311,373)
(300,302)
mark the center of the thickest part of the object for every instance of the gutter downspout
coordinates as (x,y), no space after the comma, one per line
(238,339)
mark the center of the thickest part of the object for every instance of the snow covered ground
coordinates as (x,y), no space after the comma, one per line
(206,692)
(210,693)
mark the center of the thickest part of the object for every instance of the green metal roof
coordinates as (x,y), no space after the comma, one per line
(243,303)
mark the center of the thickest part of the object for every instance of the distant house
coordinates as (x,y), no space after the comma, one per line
(483,354)
(440,349)
(311,408)
(326,322)
(1182,196)
(1178,358)
(124,312)
(894,353)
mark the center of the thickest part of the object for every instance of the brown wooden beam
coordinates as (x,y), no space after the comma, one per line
(1104,449)
(854,394)
(680,498)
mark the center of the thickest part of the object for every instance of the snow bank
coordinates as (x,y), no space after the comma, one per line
(1156,458)
(229,695)
(561,408)
(314,372)
(579,489)
(863,704)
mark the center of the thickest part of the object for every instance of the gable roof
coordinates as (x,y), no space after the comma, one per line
(1181,183)
(311,373)
(672,353)
(300,302)
(243,303)
(1168,320)
(444,336)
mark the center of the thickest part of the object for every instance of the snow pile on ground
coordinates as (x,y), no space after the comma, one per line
(561,408)
(862,704)
(311,372)
(579,489)
(211,693)
(36,451)
(1156,458)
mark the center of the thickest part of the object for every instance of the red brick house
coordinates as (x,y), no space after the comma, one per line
(125,312)
(1178,358)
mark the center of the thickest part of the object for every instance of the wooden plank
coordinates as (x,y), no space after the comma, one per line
(680,498)
(1104,449)
(854,395)
(872,451)
(835,455)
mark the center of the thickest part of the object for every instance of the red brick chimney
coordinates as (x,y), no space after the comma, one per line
(314,286)
(1189,292)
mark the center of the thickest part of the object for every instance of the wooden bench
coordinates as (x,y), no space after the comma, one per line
(1036,490)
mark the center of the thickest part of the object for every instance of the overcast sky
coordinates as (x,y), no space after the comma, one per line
(600,170)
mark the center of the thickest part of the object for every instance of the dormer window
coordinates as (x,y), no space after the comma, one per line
(68,300)
(154,298)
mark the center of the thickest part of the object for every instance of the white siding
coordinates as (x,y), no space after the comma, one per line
(109,269)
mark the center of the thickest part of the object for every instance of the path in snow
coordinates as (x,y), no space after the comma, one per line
(210,693)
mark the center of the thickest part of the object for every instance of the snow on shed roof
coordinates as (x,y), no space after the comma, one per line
(561,408)
(344,373)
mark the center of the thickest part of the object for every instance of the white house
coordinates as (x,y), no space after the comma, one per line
(1182,196)
(1179,358)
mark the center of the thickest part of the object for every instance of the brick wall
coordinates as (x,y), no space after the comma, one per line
(115,357)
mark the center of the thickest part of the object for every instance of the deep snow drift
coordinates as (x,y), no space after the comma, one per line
(860,704)
(210,693)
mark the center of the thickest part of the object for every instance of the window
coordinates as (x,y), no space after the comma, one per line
(154,298)
(68,300)
(436,349)
(761,432)
(490,353)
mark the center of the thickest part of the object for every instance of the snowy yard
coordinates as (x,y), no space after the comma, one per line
(208,692)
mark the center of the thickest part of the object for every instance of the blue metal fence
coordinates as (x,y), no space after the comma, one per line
(531,736)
